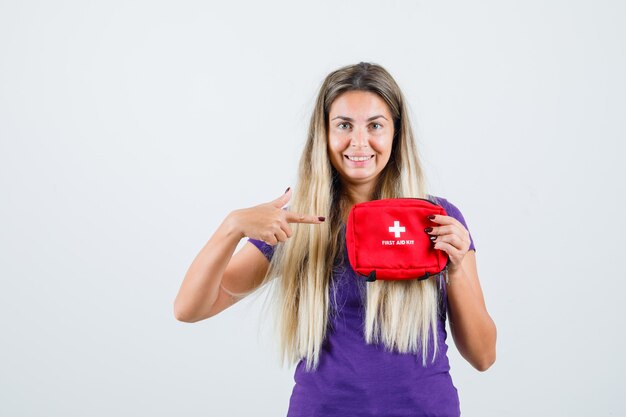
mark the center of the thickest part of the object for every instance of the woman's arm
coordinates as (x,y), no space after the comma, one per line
(200,295)
(201,286)
(473,330)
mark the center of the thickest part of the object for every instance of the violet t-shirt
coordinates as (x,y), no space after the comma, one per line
(359,379)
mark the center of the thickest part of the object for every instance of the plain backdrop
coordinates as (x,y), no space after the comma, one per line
(130,129)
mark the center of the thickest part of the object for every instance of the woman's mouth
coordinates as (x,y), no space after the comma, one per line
(359,160)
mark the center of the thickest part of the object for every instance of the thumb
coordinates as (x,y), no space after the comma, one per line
(283,199)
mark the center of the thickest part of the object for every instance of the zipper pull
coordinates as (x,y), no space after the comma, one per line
(447,280)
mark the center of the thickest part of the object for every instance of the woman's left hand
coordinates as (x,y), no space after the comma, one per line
(451,237)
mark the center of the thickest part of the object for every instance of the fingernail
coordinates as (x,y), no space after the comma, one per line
(432,238)
(287,190)
(428,229)
(321,218)
(431,217)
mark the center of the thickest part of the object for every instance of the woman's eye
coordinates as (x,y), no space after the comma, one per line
(377,126)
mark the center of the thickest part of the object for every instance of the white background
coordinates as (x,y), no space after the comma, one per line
(129,130)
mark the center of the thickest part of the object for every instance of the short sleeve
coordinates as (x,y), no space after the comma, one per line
(453,211)
(265,248)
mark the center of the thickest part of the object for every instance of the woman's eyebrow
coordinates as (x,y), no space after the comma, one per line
(351,119)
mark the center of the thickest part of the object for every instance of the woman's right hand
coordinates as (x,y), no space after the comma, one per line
(269,222)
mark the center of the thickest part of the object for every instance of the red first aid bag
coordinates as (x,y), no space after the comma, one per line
(386,239)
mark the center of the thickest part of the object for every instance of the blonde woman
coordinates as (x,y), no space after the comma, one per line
(361,348)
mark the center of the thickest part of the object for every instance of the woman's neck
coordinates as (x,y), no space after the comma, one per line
(350,198)
(358,193)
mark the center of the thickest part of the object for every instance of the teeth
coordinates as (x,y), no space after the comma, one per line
(359,158)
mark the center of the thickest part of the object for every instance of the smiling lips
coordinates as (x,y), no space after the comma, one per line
(359,158)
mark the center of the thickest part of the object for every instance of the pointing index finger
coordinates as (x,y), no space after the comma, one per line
(303,218)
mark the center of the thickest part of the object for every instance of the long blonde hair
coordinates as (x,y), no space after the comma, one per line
(400,314)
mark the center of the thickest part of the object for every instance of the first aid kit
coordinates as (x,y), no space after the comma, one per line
(386,239)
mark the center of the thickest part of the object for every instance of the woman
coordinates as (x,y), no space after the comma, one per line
(361,348)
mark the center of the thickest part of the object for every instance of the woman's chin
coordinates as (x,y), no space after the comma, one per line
(359,176)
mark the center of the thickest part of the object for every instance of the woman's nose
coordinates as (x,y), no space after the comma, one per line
(359,138)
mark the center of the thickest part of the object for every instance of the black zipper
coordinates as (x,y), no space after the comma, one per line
(408,198)
(425,199)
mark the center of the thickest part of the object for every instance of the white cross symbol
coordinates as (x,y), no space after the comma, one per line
(397,228)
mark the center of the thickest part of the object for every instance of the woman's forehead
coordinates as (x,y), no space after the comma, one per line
(359,105)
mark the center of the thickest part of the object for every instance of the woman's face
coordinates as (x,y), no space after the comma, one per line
(360,125)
